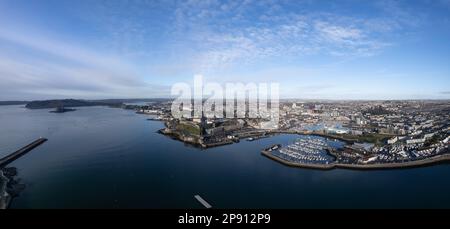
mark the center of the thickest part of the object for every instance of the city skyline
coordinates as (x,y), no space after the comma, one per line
(315,49)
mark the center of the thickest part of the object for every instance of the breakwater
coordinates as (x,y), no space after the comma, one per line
(22,151)
(395,165)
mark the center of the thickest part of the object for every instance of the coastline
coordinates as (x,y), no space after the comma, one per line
(396,165)
(380,166)
(193,141)
(5,198)
(256,136)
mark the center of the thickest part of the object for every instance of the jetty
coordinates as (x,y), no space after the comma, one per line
(202,201)
(22,151)
(5,197)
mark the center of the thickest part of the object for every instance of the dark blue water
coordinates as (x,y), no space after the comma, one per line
(99,157)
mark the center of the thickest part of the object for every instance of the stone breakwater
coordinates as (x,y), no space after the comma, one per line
(396,165)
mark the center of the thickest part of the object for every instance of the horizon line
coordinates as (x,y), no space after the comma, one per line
(281,99)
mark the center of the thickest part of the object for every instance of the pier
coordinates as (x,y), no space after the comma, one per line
(22,151)
(5,198)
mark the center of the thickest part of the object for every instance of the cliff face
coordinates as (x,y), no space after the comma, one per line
(181,137)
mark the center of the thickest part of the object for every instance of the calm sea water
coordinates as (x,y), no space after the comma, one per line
(99,157)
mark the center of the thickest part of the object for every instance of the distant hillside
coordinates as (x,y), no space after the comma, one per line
(154,100)
(378,110)
(13,102)
(68,103)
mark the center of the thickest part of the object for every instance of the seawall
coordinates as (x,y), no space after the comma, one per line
(396,165)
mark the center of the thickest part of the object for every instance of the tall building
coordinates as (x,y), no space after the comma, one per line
(203,124)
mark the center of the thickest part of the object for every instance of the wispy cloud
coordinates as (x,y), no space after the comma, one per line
(223,35)
(57,68)
(338,34)
(133,48)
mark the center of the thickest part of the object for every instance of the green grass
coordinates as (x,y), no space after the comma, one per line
(188,129)
(378,139)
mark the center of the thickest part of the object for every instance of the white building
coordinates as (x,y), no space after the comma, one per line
(415,141)
(392,140)
(446,139)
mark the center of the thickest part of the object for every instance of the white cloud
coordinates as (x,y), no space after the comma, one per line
(222,36)
(58,68)
(204,36)
(338,34)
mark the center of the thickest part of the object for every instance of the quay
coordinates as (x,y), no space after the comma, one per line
(295,164)
(22,151)
(154,119)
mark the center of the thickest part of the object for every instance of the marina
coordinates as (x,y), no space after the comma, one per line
(306,150)
(316,152)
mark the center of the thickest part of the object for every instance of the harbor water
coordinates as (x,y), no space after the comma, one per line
(99,157)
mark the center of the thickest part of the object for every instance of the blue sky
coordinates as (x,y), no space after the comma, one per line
(343,49)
